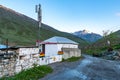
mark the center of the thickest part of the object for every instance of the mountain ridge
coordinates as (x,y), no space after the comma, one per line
(86,35)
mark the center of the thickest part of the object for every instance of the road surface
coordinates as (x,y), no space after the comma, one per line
(90,68)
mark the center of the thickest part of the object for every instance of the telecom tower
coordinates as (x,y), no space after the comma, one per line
(38,11)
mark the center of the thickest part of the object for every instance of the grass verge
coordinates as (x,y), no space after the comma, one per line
(72,59)
(34,73)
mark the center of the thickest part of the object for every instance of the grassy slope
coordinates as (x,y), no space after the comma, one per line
(102,45)
(114,38)
(22,30)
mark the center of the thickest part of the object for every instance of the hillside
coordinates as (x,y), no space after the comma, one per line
(102,45)
(90,37)
(22,30)
(114,39)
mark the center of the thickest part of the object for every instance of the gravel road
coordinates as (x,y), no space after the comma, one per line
(90,68)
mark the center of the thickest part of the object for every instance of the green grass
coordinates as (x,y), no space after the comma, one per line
(99,50)
(101,45)
(93,51)
(72,59)
(116,46)
(34,73)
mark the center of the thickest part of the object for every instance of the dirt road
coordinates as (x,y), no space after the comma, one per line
(90,68)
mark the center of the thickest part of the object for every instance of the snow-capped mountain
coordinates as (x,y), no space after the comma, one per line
(88,36)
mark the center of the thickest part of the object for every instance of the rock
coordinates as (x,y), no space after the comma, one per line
(116,57)
(1,68)
(111,55)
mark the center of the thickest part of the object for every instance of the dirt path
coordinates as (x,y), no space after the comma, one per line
(90,68)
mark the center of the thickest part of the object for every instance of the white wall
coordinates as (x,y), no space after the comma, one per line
(69,52)
(50,59)
(43,61)
(53,59)
(27,51)
(51,49)
(66,46)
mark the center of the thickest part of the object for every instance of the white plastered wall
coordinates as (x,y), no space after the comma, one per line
(51,49)
(66,46)
(27,51)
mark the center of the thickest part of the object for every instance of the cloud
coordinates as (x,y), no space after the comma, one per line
(118,14)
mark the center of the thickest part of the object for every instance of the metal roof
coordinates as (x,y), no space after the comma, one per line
(57,39)
(2,46)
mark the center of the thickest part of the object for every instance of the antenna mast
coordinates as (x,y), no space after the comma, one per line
(38,11)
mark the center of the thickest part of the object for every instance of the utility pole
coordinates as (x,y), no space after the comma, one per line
(38,11)
(6,46)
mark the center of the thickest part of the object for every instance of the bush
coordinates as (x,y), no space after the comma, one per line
(110,49)
(117,46)
(97,54)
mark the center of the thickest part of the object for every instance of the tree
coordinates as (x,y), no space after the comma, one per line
(105,33)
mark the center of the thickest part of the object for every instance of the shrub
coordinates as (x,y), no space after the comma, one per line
(110,49)
(117,46)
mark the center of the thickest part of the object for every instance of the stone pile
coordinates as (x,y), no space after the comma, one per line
(111,55)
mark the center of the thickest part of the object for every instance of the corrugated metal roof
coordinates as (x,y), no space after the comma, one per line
(2,46)
(57,39)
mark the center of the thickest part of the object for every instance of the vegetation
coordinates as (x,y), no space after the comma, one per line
(22,30)
(116,46)
(34,73)
(102,45)
(72,59)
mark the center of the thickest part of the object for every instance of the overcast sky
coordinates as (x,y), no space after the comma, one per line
(72,15)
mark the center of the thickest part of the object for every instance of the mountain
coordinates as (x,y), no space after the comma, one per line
(22,30)
(90,37)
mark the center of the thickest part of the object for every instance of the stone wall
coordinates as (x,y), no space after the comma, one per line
(70,52)
(22,64)
(12,63)
(7,63)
